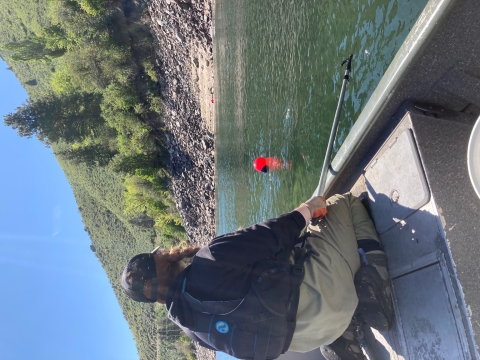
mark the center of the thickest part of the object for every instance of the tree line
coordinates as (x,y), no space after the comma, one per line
(104,105)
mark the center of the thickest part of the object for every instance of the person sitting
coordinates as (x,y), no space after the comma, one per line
(345,276)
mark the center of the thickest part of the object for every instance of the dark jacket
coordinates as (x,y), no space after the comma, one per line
(221,270)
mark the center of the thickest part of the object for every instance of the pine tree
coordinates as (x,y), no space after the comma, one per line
(34,48)
(91,155)
(69,118)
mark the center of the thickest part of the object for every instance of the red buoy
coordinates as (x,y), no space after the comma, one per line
(265,164)
(260,164)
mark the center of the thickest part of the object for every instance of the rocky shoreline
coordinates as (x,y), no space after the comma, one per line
(184,53)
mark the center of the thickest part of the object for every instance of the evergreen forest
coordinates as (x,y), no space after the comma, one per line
(89,69)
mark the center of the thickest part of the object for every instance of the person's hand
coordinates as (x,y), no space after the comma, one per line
(317,206)
(314,207)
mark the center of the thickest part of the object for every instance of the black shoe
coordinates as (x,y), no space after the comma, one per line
(372,283)
(346,347)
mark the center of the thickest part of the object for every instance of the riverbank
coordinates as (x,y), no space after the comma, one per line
(184,59)
(184,56)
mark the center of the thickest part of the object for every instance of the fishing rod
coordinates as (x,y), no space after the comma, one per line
(320,191)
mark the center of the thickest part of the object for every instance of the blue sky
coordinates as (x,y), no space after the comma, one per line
(56,301)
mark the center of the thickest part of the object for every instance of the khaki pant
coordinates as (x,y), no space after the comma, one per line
(327,295)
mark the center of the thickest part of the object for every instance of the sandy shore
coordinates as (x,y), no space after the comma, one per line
(204,77)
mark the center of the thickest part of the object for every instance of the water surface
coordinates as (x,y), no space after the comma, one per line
(278,82)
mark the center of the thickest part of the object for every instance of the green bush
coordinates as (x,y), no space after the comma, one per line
(155,104)
(150,70)
(93,7)
(143,195)
(120,97)
(141,164)
(62,83)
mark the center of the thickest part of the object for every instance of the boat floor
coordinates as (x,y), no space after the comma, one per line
(431,319)
(399,188)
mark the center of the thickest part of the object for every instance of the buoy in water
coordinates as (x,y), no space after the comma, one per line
(260,164)
(265,164)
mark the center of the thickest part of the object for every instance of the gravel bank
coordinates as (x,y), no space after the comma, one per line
(185,72)
(184,49)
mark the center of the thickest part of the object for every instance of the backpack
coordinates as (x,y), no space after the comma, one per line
(261,325)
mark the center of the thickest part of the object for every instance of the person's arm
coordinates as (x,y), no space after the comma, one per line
(247,246)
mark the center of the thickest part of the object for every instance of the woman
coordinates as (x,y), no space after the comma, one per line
(221,271)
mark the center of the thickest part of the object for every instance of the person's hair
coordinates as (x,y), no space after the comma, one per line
(168,265)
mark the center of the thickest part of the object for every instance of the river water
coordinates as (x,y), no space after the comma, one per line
(278,82)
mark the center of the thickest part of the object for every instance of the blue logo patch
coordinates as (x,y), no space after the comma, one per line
(222,327)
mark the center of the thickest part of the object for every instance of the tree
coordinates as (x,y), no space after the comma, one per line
(93,7)
(142,220)
(54,37)
(128,164)
(91,155)
(69,118)
(34,48)
(141,197)
(120,110)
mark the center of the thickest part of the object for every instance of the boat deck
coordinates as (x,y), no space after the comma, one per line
(417,191)
(411,198)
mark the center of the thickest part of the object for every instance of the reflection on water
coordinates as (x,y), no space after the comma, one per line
(278,82)
(271,163)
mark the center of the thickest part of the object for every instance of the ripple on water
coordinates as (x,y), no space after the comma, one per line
(279,77)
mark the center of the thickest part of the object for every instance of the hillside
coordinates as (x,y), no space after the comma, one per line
(18,20)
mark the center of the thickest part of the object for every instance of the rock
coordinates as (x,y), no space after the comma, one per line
(180,37)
